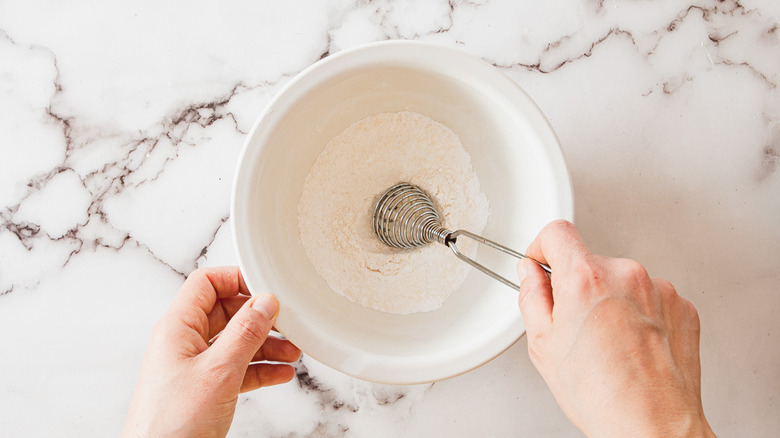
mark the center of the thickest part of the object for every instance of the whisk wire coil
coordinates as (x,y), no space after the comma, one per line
(405,217)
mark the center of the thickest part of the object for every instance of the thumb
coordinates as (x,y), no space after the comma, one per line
(535,299)
(246,331)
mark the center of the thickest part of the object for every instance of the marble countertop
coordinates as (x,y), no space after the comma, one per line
(120,127)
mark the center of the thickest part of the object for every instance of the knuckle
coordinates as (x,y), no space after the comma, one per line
(196,278)
(197,274)
(634,270)
(665,289)
(586,273)
(692,313)
(160,331)
(560,223)
(664,285)
(557,227)
(248,330)
(634,273)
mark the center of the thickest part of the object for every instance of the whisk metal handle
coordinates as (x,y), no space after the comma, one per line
(451,242)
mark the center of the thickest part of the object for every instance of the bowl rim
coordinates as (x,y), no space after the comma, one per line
(333,353)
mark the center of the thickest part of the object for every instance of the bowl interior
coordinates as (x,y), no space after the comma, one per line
(516,157)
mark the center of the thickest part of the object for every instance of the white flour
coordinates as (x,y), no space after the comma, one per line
(337,204)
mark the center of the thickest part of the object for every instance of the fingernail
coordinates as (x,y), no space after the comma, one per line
(522,271)
(266,304)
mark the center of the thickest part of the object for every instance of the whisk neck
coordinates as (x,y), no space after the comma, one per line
(435,232)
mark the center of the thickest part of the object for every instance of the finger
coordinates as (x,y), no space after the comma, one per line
(221,313)
(217,323)
(682,321)
(694,335)
(231,305)
(558,245)
(245,333)
(277,350)
(203,286)
(227,280)
(535,299)
(266,374)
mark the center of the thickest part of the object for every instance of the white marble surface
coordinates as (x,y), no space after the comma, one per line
(120,125)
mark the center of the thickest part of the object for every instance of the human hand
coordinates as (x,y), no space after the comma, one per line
(187,388)
(619,350)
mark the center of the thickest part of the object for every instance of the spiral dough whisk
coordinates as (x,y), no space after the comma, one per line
(406,217)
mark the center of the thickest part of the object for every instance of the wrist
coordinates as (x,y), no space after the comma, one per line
(687,426)
(651,417)
(695,426)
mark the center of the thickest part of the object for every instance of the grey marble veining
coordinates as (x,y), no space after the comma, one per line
(121,124)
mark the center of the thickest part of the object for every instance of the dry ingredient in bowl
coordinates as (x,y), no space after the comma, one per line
(337,205)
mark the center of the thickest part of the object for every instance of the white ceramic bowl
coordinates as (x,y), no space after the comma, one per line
(515,154)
